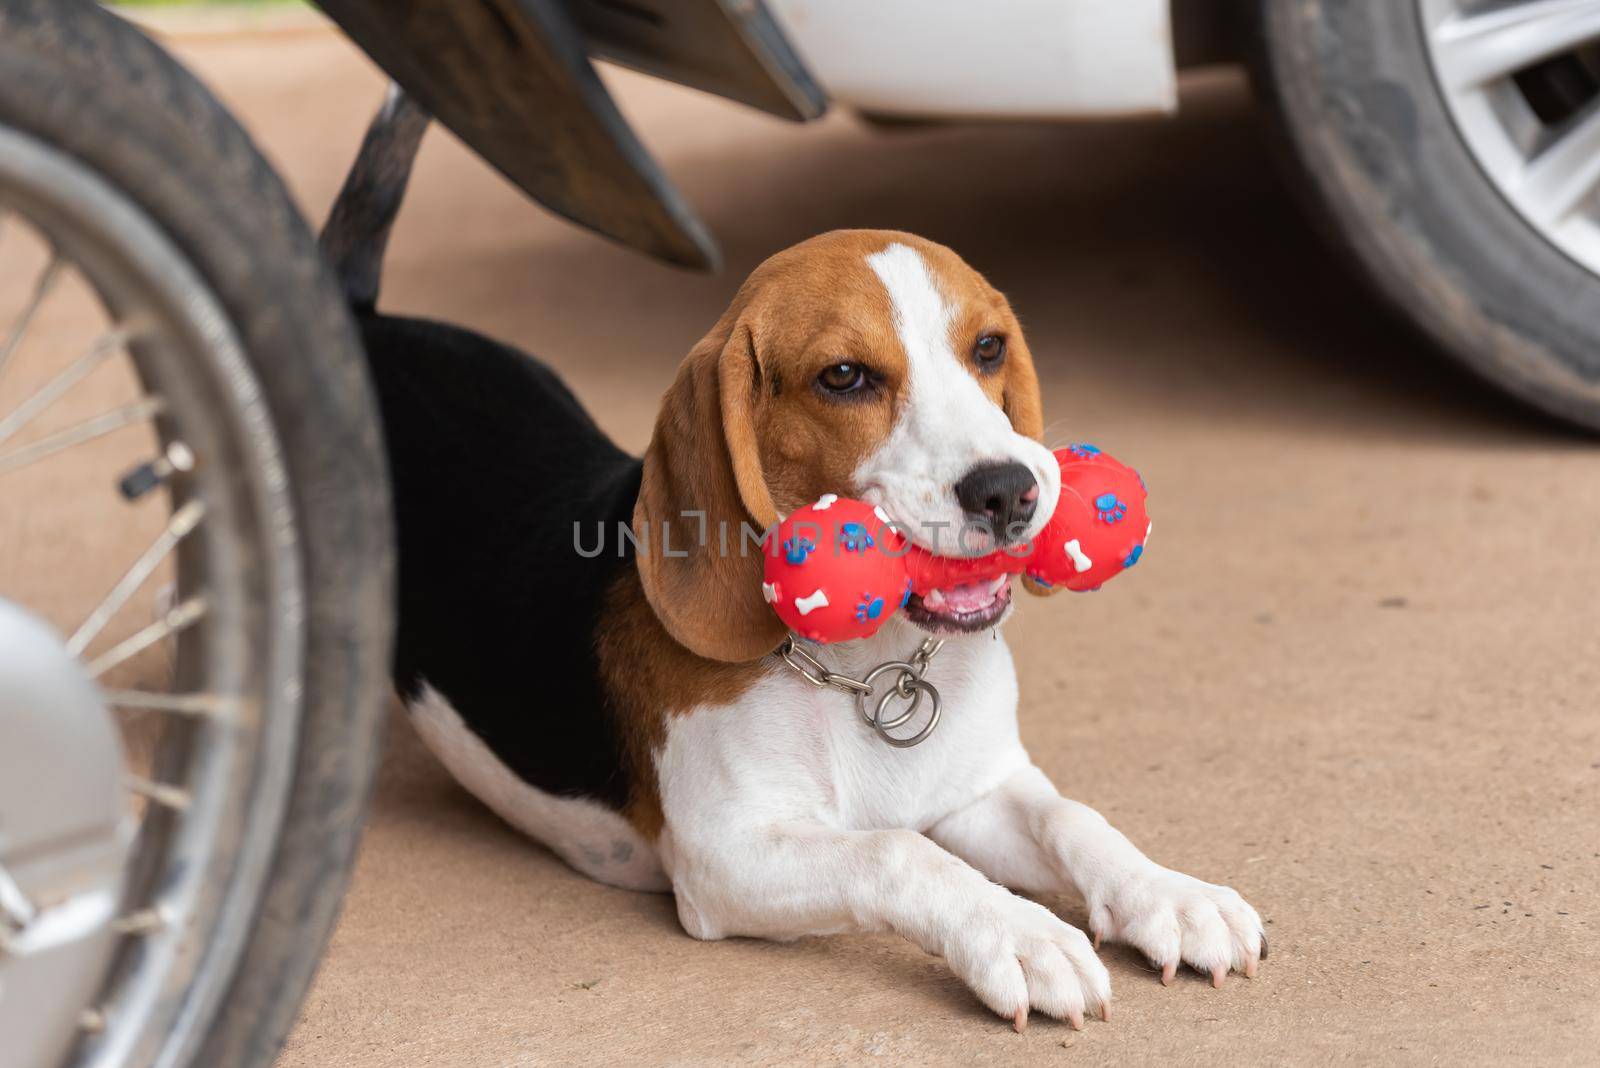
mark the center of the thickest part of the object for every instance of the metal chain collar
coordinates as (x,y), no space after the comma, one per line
(909,686)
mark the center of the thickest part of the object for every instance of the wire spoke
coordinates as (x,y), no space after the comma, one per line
(1475,49)
(70,376)
(180,618)
(16,910)
(117,418)
(187,704)
(143,921)
(41,290)
(165,794)
(182,521)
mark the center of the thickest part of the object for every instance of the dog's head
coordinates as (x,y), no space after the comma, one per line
(866,363)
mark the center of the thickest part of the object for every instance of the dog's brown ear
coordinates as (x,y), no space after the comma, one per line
(1021,401)
(703,488)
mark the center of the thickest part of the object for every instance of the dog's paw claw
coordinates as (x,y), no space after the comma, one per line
(1174,918)
(1018,956)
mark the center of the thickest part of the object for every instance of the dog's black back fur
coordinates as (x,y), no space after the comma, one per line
(492,462)
(494,466)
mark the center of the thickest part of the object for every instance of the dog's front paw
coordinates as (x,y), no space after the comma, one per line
(1016,955)
(1171,917)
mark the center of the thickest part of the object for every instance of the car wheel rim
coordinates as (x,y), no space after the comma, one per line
(1521,81)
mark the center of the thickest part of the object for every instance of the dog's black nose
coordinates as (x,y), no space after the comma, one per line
(1000,495)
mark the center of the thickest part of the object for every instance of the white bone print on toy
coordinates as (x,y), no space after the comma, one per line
(1080,562)
(825,502)
(810,604)
(770,592)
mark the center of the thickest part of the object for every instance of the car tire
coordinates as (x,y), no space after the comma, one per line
(1372,141)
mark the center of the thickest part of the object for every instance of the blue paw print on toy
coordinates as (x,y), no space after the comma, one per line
(1084,451)
(870,607)
(906,596)
(1133,556)
(795,550)
(1108,509)
(854,538)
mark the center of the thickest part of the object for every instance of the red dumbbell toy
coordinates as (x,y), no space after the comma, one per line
(838,569)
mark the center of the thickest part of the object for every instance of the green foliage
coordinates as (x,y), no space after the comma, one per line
(203,3)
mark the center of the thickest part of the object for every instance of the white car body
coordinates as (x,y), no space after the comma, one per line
(1036,59)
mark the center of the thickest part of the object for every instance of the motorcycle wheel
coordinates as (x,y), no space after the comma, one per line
(248,710)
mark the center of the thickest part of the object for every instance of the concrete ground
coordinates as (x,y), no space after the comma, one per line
(1355,678)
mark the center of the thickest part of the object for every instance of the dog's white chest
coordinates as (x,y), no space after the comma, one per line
(788,750)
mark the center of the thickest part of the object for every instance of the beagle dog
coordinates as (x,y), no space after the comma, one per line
(587,655)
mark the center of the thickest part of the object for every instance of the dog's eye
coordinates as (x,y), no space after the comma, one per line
(843,377)
(990,351)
